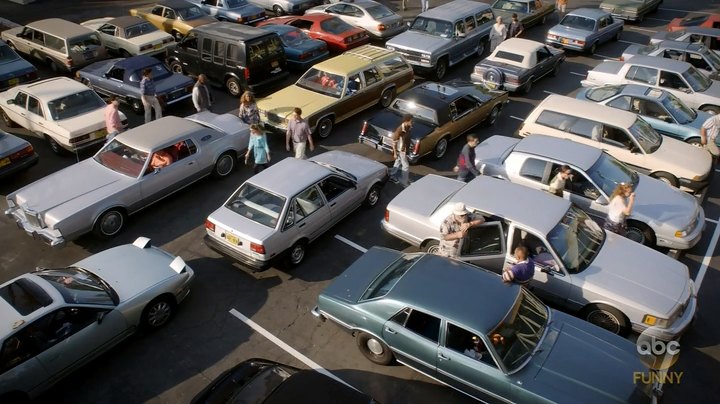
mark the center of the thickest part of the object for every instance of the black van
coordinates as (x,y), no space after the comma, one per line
(232,55)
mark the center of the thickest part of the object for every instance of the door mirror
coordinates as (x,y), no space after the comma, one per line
(461,35)
(10,101)
(100,316)
(601,200)
(408,24)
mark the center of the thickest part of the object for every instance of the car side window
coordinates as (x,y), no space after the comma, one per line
(469,23)
(650,108)
(371,76)
(534,169)
(603,23)
(459,28)
(484,17)
(698,61)
(116,73)
(467,343)
(38,37)
(555,120)
(610,20)
(16,350)
(169,14)
(55,43)
(206,50)
(108,29)
(672,80)
(20,100)
(401,317)
(295,214)
(424,325)
(310,201)
(302,24)
(617,137)
(642,74)
(354,84)
(582,186)
(333,186)
(462,106)
(542,54)
(158,10)
(57,326)
(34,106)
(167,156)
(190,42)
(336,9)
(353,11)
(621,103)
(219,53)
(213,3)
(537,248)
(487,239)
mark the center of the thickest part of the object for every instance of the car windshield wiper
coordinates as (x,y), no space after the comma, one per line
(339,170)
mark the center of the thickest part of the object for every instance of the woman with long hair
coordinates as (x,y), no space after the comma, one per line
(248,111)
(621,203)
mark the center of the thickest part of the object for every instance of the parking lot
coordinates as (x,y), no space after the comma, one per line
(233,314)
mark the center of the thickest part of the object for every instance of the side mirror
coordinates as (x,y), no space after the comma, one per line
(100,317)
(602,200)
(408,24)
(10,101)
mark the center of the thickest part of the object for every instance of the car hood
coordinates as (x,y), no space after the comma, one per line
(284,101)
(359,166)
(699,120)
(423,197)
(662,204)
(568,32)
(560,369)
(712,91)
(10,144)
(625,4)
(353,282)
(492,150)
(418,41)
(687,160)
(14,68)
(386,121)
(637,275)
(82,183)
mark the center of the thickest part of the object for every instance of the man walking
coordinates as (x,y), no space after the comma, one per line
(465,167)
(708,135)
(148,96)
(401,140)
(454,228)
(562,5)
(201,98)
(299,132)
(113,125)
(425,4)
(516,28)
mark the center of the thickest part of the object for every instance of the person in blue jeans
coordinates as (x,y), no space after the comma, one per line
(401,141)
(259,147)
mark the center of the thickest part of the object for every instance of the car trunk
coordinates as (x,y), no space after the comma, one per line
(238,232)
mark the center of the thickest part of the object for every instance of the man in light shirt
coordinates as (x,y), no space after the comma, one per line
(708,134)
(113,124)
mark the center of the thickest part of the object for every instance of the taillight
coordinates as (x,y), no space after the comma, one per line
(145,47)
(241,20)
(364,128)
(247,74)
(22,153)
(210,225)
(258,248)
(381,27)
(304,55)
(387,215)
(68,62)
(416,148)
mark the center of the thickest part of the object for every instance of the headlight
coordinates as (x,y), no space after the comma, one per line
(655,321)
(697,177)
(11,203)
(425,56)
(388,47)
(552,37)
(680,233)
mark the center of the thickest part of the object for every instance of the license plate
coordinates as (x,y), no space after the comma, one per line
(564,41)
(232,239)
(157,46)
(13,82)
(490,85)
(4,161)
(99,133)
(369,143)
(275,63)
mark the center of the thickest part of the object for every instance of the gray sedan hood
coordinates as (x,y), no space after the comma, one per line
(418,41)
(627,271)
(660,203)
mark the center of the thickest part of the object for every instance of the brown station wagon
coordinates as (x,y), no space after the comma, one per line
(338,88)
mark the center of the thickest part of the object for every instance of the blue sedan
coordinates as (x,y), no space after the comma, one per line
(663,111)
(584,29)
(14,70)
(301,50)
(121,77)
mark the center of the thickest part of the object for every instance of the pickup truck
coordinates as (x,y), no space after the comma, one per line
(176,17)
(681,79)
(516,63)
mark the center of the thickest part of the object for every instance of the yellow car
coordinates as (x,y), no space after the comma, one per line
(176,17)
(338,88)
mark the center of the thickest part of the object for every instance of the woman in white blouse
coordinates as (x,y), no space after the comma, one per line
(498,32)
(620,207)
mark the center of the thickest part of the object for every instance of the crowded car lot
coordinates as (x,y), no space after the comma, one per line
(233,314)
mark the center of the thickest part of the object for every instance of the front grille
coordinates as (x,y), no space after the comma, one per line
(411,56)
(33,218)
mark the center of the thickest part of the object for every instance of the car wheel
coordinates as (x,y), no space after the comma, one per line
(176,67)
(527,87)
(440,148)
(490,120)
(481,48)
(432,247)
(441,69)
(386,97)
(11,46)
(136,105)
(53,66)
(618,35)
(607,317)
(710,109)
(593,48)
(374,349)
(640,233)
(373,196)
(233,86)
(296,254)
(324,127)
(695,142)
(54,146)
(556,70)
(224,165)
(666,178)
(7,121)
(177,35)
(109,224)
(124,53)
(158,312)
(278,11)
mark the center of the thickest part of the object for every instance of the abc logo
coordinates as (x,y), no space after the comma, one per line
(657,354)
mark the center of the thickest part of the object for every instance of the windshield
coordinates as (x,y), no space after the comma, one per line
(235,3)
(75,104)
(698,81)
(646,50)
(322,82)
(712,57)
(508,5)
(122,158)
(139,29)
(84,43)
(576,240)
(384,283)
(190,13)
(578,22)
(608,172)
(520,332)
(429,26)
(257,204)
(681,112)
(417,110)
(78,286)
(7,54)
(646,136)
(293,37)
(379,11)
(599,94)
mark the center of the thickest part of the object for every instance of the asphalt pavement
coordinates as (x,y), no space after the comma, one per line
(234,314)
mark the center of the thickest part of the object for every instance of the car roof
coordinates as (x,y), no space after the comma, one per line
(659,63)
(158,132)
(54,88)
(174,3)
(126,21)
(232,31)
(593,13)
(433,95)
(11,320)
(703,31)
(638,90)
(354,59)
(454,10)
(456,291)
(281,178)
(520,44)
(309,387)
(564,150)
(679,45)
(586,109)
(491,195)
(60,27)
(137,62)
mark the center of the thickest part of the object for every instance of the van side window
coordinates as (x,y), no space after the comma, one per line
(469,24)
(394,65)
(206,50)
(219,55)
(190,42)
(459,28)
(233,58)
(642,74)
(484,17)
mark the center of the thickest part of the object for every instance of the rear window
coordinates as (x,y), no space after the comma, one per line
(84,43)
(75,104)
(603,93)
(379,11)
(139,29)
(514,57)
(7,54)
(335,26)
(261,50)
(384,283)
(25,296)
(257,204)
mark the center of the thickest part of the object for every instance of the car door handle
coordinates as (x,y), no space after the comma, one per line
(443,357)
(41,124)
(390,330)
(301,225)
(333,204)
(191,163)
(22,114)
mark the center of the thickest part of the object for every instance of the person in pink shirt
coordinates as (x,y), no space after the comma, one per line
(112,118)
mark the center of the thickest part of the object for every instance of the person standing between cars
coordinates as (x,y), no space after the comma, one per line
(557,185)
(454,228)
(465,167)
(425,4)
(259,147)
(523,270)
(248,111)
(708,135)
(201,98)
(562,4)
(299,132)
(498,33)
(401,141)
(620,207)
(148,96)
(113,124)
(516,27)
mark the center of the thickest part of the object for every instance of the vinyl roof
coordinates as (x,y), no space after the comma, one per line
(158,132)
(126,21)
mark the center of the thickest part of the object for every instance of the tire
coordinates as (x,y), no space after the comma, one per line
(527,87)
(432,247)
(493,78)
(695,142)
(296,254)
(606,317)
(618,35)
(233,86)
(711,109)
(481,48)
(110,223)
(593,48)
(278,11)
(373,196)
(374,349)
(556,70)
(441,147)
(441,69)
(324,127)
(224,165)
(158,312)
(136,105)
(55,146)
(176,67)
(7,121)
(387,97)
(493,116)
(124,53)
(666,178)
(640,233)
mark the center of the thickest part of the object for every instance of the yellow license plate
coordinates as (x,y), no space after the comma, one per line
(13,82)
(232,239)
(158,46)
(99,133)
(4,162)
(564,40)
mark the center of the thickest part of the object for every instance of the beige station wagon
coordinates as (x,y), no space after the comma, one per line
(625,136)
(338,88)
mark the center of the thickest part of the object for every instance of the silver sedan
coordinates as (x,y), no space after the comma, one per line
(377,19)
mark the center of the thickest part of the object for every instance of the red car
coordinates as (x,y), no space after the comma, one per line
(707,21)
(339,35)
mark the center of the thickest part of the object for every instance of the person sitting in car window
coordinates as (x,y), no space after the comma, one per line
(477,349)
(161,158)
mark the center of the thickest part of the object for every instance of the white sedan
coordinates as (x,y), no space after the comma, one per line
(376,18)
(68,114)
(131,35)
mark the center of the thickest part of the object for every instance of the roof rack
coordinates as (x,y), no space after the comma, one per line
(369,52)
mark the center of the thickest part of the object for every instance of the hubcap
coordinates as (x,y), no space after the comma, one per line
(233,87)
(481,49)
(386,98)
(177,68)
(635,234)
(224,165)
(325,128)
(111,223)
(159,313)
(433,249)
(493,115)
(441,148)
(441,70)
(374,196)
(298,253)
(605,320)
(375,346)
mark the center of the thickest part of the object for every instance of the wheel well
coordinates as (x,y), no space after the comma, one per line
(166,295)
(688,140)
(602,305)
(119,208)
(709,105)
(228,151)
(643,226)
(428,241)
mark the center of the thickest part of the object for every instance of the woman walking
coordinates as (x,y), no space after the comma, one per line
(620,207)
(259,147)
(498,33)
(248,111)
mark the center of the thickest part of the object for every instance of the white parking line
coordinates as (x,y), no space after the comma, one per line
(707,219)
(683,11)
(657,19)
(642,29)
(578,74)
(351,244)
(708,257)
(516,118)
(287,348)
(717,170)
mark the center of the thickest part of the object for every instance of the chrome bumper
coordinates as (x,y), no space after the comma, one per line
(49,236)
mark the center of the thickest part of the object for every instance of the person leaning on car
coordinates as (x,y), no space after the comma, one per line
(454,228)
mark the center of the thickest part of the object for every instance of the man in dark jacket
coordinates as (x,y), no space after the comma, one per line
(465,167)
